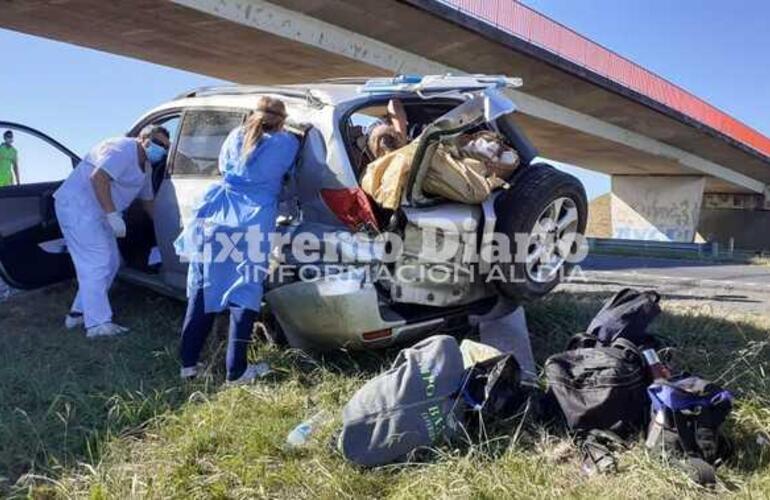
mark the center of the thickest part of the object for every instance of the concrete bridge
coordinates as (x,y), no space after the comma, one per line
(678,164)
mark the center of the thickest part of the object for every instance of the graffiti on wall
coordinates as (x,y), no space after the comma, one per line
(656,208)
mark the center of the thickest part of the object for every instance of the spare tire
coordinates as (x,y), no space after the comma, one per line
(547,208)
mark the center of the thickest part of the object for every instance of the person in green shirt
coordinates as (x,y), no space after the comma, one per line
(9,161)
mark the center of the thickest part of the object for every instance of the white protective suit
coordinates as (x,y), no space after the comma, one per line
(90,239)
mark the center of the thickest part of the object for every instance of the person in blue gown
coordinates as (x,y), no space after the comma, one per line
(227,243)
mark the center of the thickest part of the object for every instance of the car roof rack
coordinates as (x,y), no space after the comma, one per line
(242,90)
(437,83)
(346,80)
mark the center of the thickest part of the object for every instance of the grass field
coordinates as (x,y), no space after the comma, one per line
(110,419)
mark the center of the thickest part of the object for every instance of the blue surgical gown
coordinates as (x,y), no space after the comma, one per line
(226,260)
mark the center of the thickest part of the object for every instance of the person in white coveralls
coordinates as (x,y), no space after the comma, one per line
(89,206)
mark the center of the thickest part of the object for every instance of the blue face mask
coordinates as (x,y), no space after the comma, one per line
(155,153)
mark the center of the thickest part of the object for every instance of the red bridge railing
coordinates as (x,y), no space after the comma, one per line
(528,24)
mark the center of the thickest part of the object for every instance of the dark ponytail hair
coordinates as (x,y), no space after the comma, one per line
(267,117)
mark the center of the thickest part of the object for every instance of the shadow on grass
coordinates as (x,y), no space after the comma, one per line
(62,396)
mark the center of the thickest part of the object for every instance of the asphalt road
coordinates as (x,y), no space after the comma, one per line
(738,276)
(729,288)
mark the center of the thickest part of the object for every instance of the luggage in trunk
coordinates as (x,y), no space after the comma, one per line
(453,173)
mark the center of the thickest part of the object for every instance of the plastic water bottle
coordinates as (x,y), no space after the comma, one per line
(300,435)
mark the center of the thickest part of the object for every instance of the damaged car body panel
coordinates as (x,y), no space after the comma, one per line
(321,312)
(439,272)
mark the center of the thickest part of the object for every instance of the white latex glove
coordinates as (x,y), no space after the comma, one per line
(115,220)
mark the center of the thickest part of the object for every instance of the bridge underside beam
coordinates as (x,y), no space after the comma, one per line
(458,41)
(253,41)
(576,139)
(180,37)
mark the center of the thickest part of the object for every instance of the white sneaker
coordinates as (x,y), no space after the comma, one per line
(73,320)
(191,372)
(251,373)
(105,330)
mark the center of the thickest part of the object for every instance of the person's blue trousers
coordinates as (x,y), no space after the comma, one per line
(198,324)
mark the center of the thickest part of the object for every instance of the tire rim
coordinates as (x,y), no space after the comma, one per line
(551,240)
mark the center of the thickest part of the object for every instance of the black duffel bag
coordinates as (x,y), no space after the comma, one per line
(600,386)
(626,315)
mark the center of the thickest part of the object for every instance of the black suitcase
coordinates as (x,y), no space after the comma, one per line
(598,386)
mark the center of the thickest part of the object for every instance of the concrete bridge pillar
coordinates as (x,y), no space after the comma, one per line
(661,208)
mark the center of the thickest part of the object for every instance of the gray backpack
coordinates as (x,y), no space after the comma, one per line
(412,405)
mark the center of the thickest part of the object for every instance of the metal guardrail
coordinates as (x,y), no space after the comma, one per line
(708,250)
(621,244)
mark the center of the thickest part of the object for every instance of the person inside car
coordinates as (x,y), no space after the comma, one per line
(253,161)
(384,139)
(398,120)
(389,133)
(89,207)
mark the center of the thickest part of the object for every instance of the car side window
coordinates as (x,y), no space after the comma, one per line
(37,159)
(170,123)
(200,139)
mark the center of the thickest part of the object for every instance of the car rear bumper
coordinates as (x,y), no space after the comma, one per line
(342,310)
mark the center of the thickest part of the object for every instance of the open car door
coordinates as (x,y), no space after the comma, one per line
(32,252)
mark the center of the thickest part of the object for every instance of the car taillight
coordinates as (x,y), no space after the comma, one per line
(351,206)
(377,335)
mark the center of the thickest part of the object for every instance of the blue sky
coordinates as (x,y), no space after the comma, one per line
(78,96)
(81,96)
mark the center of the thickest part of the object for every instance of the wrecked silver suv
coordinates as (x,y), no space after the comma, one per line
(345,272)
